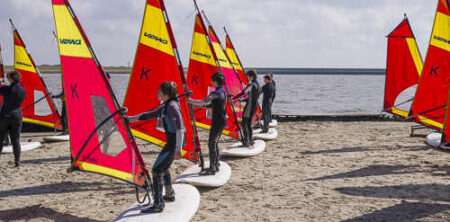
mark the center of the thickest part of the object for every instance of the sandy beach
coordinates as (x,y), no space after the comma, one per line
(314,171)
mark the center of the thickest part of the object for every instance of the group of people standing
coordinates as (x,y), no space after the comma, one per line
(171,119)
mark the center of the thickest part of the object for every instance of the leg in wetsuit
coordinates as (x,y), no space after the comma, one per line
(214,136)
(266,116)
(161,176)
(12,126)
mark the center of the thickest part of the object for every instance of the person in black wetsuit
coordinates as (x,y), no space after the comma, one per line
(63,111)
(11,113)
(268,91)
(216,100)
(172,121)
(274,94)
(253,90)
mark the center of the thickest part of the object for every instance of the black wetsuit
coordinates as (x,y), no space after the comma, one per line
(63,111)
(253,90)
(218,100)
(268,92)
(172,121)
(11,116)
(273,98)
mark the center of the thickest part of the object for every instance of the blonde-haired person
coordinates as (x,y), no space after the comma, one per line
(11,113)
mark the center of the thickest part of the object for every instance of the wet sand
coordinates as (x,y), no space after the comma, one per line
(314,171)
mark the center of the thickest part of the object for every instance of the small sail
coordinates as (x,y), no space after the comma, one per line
(403,68)
(237,64)
(100,138)
(38,107)
(155,62)
(202,65)
(430,100)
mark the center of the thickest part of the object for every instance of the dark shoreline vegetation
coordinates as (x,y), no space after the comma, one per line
(52,69)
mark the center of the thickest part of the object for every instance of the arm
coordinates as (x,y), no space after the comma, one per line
(174,114)
(246,91)
(146,115)
(206,101)
(3,90)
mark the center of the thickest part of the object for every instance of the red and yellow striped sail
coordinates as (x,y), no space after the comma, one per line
(429,103)
(202,65)
(403,67)
(231,77)
(442,41)
(38,106)
(155,62)
(237,64)
(100,139)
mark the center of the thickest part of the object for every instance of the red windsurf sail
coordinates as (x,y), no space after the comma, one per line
(403,68)
(431,97)
(202,64)
(237,64)
(100,138)
(38,106)
(231,77)
(156,62)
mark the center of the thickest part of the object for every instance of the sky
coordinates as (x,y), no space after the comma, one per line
(266,33)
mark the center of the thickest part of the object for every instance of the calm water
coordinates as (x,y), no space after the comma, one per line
(298,94)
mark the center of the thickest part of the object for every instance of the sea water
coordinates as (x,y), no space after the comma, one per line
(296,94)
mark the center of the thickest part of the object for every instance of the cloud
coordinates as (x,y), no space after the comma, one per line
(269,33)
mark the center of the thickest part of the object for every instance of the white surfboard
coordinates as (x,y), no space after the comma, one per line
(187,201)
(272,124)
(237,151)
(61,138)
(192,176)
(434,139)
(271,135)
(24,146)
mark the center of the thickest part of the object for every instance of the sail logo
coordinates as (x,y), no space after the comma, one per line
(70,41)
(441,39)
(24,64)
(223,60)
(201,54)
(156,38)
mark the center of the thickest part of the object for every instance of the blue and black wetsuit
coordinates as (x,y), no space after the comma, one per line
(216,100)
(253,90)
(172,121)
(11,116)
(268,92)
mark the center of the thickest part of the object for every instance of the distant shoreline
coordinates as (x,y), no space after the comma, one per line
(275,71)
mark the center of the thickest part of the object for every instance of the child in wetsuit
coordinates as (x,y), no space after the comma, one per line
(274,84)
(268,91)
(252,91)
(172,121)
(217,101)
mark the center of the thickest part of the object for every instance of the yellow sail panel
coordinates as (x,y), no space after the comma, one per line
(201,51)
(412,45)
(224,63)
(234,60)
(154,33)
(22,60)
(441,32)
(70,40)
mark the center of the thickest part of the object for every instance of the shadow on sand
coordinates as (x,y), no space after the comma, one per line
(404,211)
(64,187)
(38,212)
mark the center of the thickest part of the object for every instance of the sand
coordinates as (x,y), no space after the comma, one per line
(315,171)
